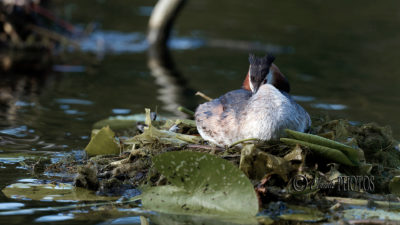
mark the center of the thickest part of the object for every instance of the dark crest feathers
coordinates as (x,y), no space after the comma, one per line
(266,60)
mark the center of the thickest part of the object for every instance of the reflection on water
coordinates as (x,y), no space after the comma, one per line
(329,106)
(69,68)
(124,220)
(16,131)
(56,217)
(11,205)
(114,42)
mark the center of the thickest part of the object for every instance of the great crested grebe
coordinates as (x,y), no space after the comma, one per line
(262,109)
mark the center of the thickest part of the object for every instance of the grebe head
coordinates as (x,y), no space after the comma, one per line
(263,71)
(258,71)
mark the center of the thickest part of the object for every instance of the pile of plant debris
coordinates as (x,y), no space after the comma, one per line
(340,163)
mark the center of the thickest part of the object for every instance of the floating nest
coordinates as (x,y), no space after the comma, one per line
(271,166)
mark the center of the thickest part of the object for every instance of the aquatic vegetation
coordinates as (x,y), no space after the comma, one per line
(330,153)
(200,184)
(351,153)
(103,143)
(179,174)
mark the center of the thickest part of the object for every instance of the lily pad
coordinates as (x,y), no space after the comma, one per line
(51,192)
(103,143)
(200,184)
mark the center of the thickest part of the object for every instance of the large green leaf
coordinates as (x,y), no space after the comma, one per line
(200,184)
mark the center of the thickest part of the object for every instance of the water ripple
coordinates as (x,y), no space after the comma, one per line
(116,42)
(19,131)
(74,101)
(53,218)
(11,205)
(329,106)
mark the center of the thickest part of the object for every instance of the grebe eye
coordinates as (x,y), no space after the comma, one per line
(264,81)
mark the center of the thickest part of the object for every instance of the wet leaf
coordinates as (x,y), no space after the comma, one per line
(328,153)
(51,192)
(256,164)
(295,155)
(103,143)
(200,184)
(394,185)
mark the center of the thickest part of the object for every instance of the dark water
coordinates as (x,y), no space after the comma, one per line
(341,58)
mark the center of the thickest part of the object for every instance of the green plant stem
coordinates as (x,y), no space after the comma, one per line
(241,141)
(327,152)
(186,110)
